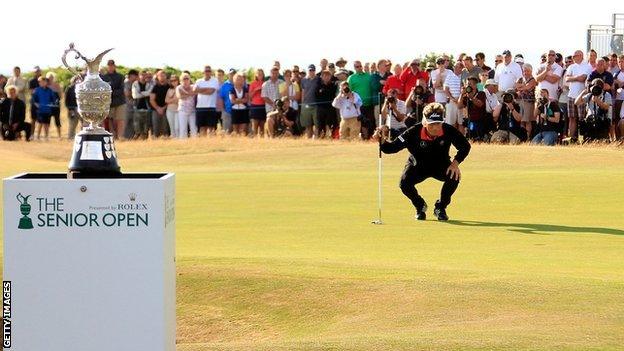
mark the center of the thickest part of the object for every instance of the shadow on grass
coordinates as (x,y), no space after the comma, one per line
(536,228)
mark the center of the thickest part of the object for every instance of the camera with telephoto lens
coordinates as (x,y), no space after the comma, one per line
(391,99)
(419,93)
(508,97)
(596,90)
(279,104)
(468,89)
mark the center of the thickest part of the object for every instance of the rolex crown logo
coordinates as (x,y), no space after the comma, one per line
(132,196)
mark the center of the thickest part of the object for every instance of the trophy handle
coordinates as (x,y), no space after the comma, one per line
(78,55)
(22,199)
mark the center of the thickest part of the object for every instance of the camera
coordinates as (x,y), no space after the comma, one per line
(542,101)
(508,97)
(468,89)
(596,90)
(346,90)
(419,92)
(391,99)
(279,104)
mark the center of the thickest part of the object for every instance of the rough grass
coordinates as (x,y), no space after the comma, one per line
(276,250)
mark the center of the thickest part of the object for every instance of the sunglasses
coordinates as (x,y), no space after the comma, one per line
(498,61)
(207,71)
(355,67)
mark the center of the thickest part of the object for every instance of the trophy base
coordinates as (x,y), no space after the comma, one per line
(94,155)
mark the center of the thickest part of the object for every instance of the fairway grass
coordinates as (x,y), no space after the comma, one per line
(275,250)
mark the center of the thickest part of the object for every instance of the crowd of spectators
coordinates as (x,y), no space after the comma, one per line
(564,99)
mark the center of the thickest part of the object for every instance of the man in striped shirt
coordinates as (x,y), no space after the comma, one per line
(452,88)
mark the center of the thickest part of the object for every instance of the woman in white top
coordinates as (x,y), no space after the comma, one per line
(171,100)
(239,96)
(186,107)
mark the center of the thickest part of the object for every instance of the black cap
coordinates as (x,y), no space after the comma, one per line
(506,52)
(232,71)
(311,68)
(435,118)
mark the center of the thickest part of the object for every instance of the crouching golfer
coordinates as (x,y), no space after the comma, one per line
(428,143)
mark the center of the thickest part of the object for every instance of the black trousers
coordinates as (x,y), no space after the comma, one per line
(414,174)
(10,134)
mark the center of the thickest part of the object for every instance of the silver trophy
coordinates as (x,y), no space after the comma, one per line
(94,153)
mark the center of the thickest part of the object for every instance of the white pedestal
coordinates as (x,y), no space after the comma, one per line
(96,272)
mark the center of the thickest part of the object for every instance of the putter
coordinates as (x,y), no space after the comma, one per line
(379,194)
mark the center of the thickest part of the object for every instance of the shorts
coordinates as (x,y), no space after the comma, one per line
(43,117)
(257,112)
(240,116)
(308,116)
(527,108)
(452,114)
(207,117)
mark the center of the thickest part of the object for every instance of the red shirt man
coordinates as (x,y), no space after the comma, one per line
(411,75)
(394,82)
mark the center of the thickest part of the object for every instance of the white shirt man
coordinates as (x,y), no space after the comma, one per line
(578,71)
(438,77)
(491,100)
(207,100)
(392,122)
(555,71)
(507,73)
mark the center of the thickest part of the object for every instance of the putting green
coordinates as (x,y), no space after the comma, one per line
(276,250)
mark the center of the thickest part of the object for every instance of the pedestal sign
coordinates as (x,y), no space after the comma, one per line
(89,263)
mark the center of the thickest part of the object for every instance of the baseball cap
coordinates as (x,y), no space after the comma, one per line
(490,82)
(506,52)
(311,68)
(231,71)
(341,71)
(519,59)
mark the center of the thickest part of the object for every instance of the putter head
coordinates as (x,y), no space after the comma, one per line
(377,221)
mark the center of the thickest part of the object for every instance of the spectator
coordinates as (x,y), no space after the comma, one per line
(55,107)
(576,76)
(171,99)
(3,84)
(32,85)
(507,118)
(19,83)
(257,112)
(158,103)
(239,97)
(206,113)
(323,66)
(525,87)
(394,82)
(128,133)
(360,83)
(564,91)
(118,107)
(186,94)
(618,88)
(325,112)
(281,121)
(592,58)
(497,61)
(13,115)
(393,113)
(469,70)
(341,76)
(270,90)
(224,95)
(474,101)
(331,67)
(507,73)
(291,89)
(491,102)
(614,69)
(480,60)
(141,90)
(72,108)
(43,98)
(452,89)
(549,74)
(412,75)
(548,116)
(348,103)
(379,78)
(438,77)
(341,63)
(600,72)
(308,118)
(416,101)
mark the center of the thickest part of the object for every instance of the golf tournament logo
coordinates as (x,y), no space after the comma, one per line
(25,222)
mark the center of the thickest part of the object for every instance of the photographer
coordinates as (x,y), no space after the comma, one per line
(548,116)
(595,125)
(393,114)
(507,118)
(474,102)
(281,121)
(416,101)
(13,115)
(428,144)
(348,104)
